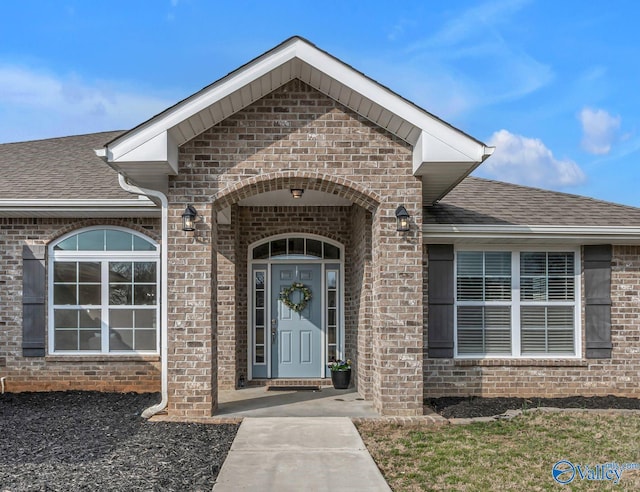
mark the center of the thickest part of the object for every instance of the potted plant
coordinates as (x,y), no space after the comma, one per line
(340,373)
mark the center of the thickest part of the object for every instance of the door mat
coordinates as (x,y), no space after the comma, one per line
(293,388)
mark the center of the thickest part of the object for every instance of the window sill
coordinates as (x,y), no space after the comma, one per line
(103,358)
(521,362)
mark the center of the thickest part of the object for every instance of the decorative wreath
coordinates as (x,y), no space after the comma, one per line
(285,296)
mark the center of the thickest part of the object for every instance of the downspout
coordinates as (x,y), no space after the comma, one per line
(164,260)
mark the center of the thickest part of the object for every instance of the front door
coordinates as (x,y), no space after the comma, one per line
(296,337)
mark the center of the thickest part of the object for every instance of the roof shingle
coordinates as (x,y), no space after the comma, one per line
(487,202)
(58,168)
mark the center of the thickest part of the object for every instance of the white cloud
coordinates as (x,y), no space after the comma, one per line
(469,63)
(599,129)
(528,161)
(36,104)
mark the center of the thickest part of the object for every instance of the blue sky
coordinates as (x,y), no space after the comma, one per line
(553,84)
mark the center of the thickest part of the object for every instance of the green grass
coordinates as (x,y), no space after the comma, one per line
(513,454)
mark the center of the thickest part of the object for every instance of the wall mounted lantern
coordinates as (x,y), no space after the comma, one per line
(189,218)
(296,193)
(402,219)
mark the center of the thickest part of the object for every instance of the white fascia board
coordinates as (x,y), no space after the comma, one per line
(429,149)
(161,148)
(433,233)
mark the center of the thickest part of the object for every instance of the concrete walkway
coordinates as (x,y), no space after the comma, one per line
(299,453)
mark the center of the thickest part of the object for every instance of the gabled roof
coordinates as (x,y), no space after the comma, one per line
(63,177)
(480,209)
(443,155)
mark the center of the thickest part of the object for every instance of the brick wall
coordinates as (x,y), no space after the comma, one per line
(557,378)
(58,373)
(298,137)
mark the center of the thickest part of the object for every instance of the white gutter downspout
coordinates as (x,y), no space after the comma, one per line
(164,259)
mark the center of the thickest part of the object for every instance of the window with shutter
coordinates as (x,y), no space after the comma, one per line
(518,303)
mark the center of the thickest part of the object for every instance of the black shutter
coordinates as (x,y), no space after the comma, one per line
(440,318)
(33,293)
(597,310)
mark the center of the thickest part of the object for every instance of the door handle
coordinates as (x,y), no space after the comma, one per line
(274,325)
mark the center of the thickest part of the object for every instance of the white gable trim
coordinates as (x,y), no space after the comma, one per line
(440,150)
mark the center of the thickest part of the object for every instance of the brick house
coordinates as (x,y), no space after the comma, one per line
(297,166)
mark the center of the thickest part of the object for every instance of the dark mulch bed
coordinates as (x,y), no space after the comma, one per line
(488,407)
(98,441)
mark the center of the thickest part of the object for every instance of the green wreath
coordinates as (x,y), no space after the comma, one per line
(285,297)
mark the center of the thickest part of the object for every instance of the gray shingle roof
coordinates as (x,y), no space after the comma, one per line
(58,168)
(484,201)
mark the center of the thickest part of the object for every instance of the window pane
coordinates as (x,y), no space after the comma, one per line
(69,244)
(470,263)
(561,289)
(65,340)
(259,299)
(547,329)
(470,289)
(484,330)
(533,289)
(64,294)
(65,318)
(65,271)
(497,289)
(331,335)
(279,247)
(145,272)
(119,241)
(120,271)
(91,241)
(533,264)
(259,278)
(296,246)
(90,318)
(314,248)
(332,280)
(90,340)
(259,355)
(89,272)
(561,264)
(119,295)
(498,263)
(331,252)
(145,340)
(120,340)
(140,244)
(331,298)
(261,252)
(121,318)
(332,353)
(260,317)
(260,336)
(331,317)
(89,294)
(144,294)
(145,318)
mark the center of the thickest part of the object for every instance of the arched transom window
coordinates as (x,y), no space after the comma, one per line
(103,292)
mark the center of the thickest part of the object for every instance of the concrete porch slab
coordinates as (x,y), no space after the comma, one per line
(258,402)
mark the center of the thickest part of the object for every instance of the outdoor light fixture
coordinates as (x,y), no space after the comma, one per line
(297,192)
(402,219)
(189,218)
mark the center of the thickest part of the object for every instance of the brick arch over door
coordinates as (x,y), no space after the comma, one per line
(308,180)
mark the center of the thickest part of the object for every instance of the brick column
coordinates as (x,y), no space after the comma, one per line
(397,312)
(192,356)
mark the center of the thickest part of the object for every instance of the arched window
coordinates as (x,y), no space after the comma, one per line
(104,292)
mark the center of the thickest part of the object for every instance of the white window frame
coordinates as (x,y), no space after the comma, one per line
(102,257)
(516,303)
